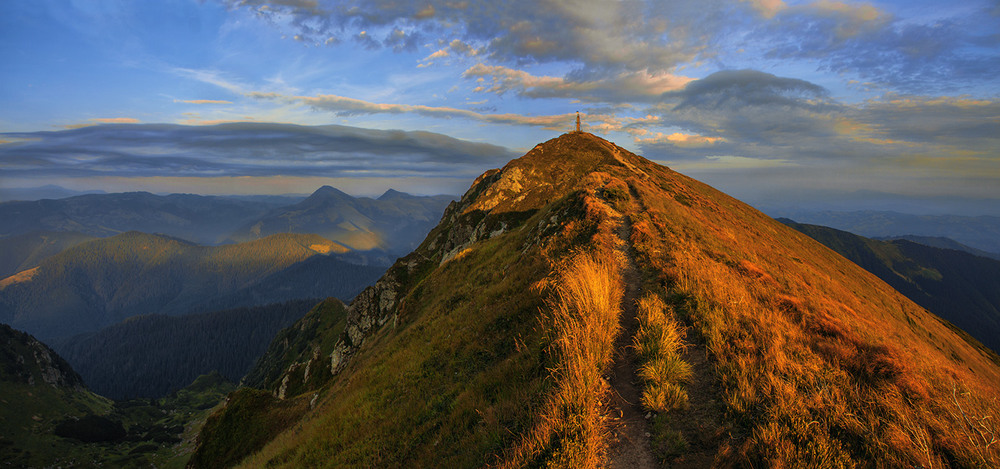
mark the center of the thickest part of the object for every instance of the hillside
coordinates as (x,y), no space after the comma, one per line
(955,285)
(584,307)
(48,418)
(104,281)
(24,252)
(196,218)
(150,356)
(395,221)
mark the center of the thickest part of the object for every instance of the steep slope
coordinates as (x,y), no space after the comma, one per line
(37,390)
(101,282)
(956,285)
(396,221)
(512,336)
(48,418)
(201,219)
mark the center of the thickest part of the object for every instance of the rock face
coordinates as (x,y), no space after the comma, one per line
(23,359)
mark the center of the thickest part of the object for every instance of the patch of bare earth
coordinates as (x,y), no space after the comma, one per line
(681,438)
(630,443)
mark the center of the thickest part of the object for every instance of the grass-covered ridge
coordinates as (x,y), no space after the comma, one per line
(467,353)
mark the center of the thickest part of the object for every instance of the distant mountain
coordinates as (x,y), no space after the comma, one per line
(196,218)
(394,222)
(982,232)
(944,243)
(153,355)
(27,251)
(104,281)
(50,191)
(958,286)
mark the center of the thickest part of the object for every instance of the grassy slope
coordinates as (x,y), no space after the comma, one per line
(819,362)
(958,286)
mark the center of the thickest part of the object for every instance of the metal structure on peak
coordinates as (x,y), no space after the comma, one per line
(577,121)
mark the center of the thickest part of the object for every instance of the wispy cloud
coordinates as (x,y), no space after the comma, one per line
(203,101)
(243,149)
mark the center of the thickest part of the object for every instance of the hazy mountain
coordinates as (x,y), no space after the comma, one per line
(585,307)
(104,281)
(395,221)
(49,191)
(201,219)
(153,355)
(958,286)
(982,232)
(27,251)
(944,243)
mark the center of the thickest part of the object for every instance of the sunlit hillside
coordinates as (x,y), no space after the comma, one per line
(739,340)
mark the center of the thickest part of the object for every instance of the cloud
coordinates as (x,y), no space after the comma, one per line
(948,54)
(344,106)
(203,101)
(244,149)
(115,120)
(627,87)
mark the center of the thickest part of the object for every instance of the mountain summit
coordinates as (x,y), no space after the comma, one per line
(584,307)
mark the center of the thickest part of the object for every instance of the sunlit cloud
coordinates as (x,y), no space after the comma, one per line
(203,101)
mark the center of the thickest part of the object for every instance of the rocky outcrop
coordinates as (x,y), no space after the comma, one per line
(23,359)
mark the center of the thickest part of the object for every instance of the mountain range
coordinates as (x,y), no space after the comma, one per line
(394,222)
(586,307)
(980,232)
(101,282)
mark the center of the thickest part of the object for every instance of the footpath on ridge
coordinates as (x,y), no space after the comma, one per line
(630,443)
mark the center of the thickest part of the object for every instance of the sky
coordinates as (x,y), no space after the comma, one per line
(821,103)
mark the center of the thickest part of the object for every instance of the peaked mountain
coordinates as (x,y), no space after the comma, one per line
(956,285)
(395,221)
(584,306)
(196,218)
(104,281)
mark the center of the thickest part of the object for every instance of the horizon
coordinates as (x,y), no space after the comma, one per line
(802,103)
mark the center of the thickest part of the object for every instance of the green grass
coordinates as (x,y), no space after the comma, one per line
(159,431)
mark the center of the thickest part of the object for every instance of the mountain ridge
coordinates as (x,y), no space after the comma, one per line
(472,350)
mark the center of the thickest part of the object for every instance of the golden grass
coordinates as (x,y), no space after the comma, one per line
(821,364)
(585,321)
(658,347)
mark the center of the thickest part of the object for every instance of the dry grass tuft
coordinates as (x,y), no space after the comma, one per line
(585,315)
(658,347)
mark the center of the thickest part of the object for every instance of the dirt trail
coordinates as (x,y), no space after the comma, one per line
(629,447)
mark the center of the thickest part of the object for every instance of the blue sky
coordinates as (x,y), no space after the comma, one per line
(768,100)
